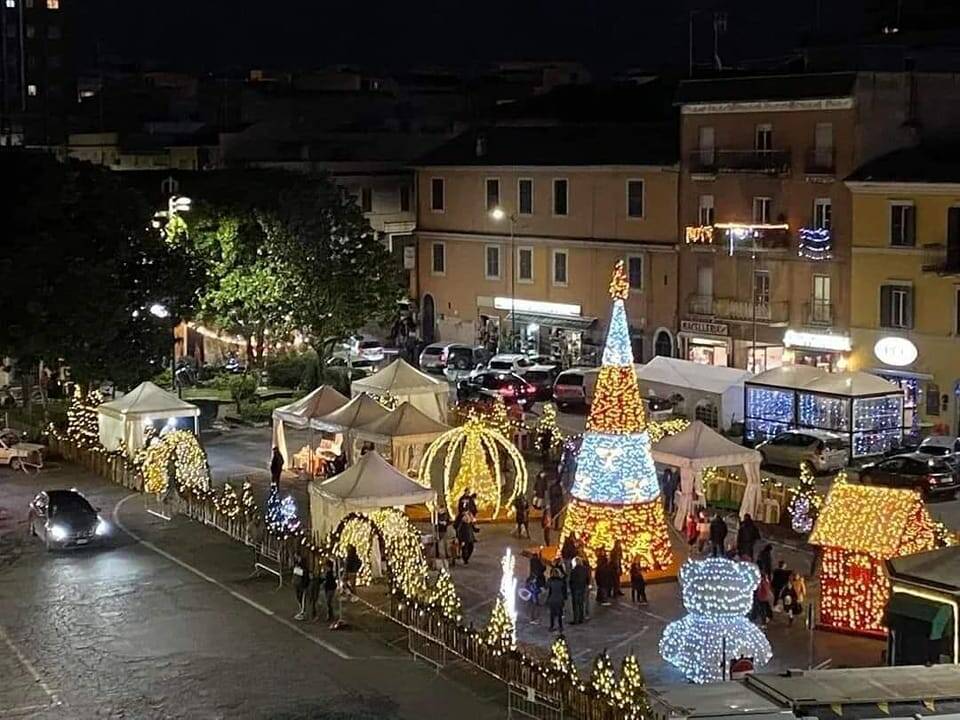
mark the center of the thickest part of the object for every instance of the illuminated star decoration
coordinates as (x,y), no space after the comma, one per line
(718,594)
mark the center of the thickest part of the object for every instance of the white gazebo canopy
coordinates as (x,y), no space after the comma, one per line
(404,382)
(360,411)
(325,399)
(403,435)
(123,419)
(370,484)
(699,385)
(699,447)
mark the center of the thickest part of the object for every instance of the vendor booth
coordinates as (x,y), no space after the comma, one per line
(404,383)
(343,423)
(297,415)
(694,450)
(708,393)
(863,408)
(122,422)
(402,437)
(370,484)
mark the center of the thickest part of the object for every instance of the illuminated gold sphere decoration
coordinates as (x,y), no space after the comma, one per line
(181,451)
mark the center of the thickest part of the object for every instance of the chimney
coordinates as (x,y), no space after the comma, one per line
(481,147)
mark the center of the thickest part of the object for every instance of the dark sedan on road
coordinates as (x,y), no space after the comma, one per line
(542,378)
(512,388)
(65,519)
(932,476)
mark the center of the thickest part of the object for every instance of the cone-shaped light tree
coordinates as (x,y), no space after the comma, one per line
(615,491)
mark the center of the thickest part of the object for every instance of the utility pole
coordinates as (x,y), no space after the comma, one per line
(690,43)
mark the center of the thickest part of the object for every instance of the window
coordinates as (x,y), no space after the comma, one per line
(560,199)
(492,193)
(933,399)
(707,413)
(437,193)
(761,287)
(31,31)
(763,138)
(53,61)
(493,262)
(404,198)
(11,3)
(525,196)
(902,224)
(560,267)
(635,272)
(439,261)
(663,344)
(53,4)
(761,209)
(366,200)
(635,198)
(32,90)
(822,212)
(525,264)
(820,308)
(705,211)
(896,306)
(705,140)
(53,32)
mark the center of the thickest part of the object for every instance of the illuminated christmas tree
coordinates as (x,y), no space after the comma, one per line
(501,630)
(549,436)
(445,596)
(615,491)
(603,681)
(561,662)
(806,501)
(280,516)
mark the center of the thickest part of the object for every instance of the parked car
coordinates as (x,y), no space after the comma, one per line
(542,378)
(510,362)
(510,386)
(939,446)
(574,387)
(353,369)
(361,347)
(65,519)
(16,454)
(658,408)
(824,451)
(437,357)
(932,476)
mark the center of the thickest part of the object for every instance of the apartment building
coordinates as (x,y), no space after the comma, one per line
(765,263)
(518,228)
(905,321)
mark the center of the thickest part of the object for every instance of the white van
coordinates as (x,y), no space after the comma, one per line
(574,387)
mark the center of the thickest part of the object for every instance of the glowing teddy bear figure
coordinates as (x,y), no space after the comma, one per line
(717,594)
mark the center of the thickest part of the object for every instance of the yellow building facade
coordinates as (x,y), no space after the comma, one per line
(905,286)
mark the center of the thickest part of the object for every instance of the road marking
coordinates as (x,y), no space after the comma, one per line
(54,700)
(24,709)
(633,637)
(213,581)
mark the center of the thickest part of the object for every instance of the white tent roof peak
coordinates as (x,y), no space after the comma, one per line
(373,482)
(356,413)
(402,421)
(853,384)
(789,376)
(399,378)
(148,400)
(699,446)
(684,373)
(325,399)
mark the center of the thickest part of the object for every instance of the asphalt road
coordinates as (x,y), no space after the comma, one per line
(164,622)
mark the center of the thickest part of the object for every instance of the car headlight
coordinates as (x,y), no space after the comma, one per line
(103,527)
(58,532)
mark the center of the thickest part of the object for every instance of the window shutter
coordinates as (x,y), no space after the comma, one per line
(885,302)
(910,231)
(908,310)
(895,225)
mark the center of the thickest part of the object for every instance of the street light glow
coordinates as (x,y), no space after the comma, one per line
(160,311)
(497,213)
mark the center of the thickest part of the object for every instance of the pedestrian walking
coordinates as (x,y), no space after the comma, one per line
(791,598)
(546,523)
(638,585)
(568,551)
(351,568)
(765,560)
(579,588)
(556,598)
(690,529)
(557,502)
(466,535)
(521,510)
(276,465)
(703,531)
(616,568)
(604,580)
(531,593)
(747,536)
(669,490)
(313,593)
(718,535)
(301,581)
(762,596)
(779,580)
(329,588)
(538,569)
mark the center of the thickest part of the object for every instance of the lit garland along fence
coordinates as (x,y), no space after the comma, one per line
(411,603)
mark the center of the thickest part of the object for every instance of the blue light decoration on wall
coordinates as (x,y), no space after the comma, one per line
(717,594)
(815,243)
(769,411)
(824,412)
(877,424)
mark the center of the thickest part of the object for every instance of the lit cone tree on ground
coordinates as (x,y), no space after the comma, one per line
(806,501)
(615,492)
(445,597)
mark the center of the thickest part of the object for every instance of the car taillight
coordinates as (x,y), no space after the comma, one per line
(931,480)
(529,389)
(507,390)
(443,356)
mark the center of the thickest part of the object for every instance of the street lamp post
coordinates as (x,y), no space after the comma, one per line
(162,312)
(499,214)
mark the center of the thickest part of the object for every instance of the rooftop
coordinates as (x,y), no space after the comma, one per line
(767,87)
(921,164)
(937,568)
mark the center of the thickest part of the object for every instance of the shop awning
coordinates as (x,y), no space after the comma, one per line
(936,615)
(560,321)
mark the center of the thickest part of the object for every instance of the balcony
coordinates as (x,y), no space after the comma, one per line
(941,258)
(759,237)
(820,161)
(700,305)
(818,312)
(737,309)
(763,162)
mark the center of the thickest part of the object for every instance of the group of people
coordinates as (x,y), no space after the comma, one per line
(465,530)
(309,581)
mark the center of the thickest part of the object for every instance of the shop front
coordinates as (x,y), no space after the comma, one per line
(706,343)
(558,330)
(827,351)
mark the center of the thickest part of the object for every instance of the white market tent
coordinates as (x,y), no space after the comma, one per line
(709,392)
(699,447)
(360,411)
(403,436)
(124,419)
(404,382)
(370,484)
(325,399)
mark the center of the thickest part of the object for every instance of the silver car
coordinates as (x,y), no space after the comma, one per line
(824,451)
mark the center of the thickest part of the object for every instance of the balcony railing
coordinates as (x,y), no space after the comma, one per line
(767,162)
(700,305)
(941,258)
(820,161)
(737,309)
(818,312)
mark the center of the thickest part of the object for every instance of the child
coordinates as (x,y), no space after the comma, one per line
(638,586)
(453,550)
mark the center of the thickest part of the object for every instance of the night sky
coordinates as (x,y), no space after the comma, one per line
(236,34)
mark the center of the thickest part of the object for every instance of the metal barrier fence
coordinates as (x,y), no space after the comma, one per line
(526,702)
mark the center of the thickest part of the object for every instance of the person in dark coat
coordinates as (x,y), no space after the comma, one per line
(556,598)
(765,561)
(540,490)
(669,489)
(556,502)
(313,593)
(568,552)
(546,522)
(301,583)
(329,588)
(779,580)
(579,585)
(467,537)
(718,535)
(521,511)
(638,584)
(276,465)
(616,568)
(604,578)
(538,569)
(747,536)
(351,568)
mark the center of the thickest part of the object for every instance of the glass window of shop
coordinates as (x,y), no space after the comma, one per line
(707,354)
